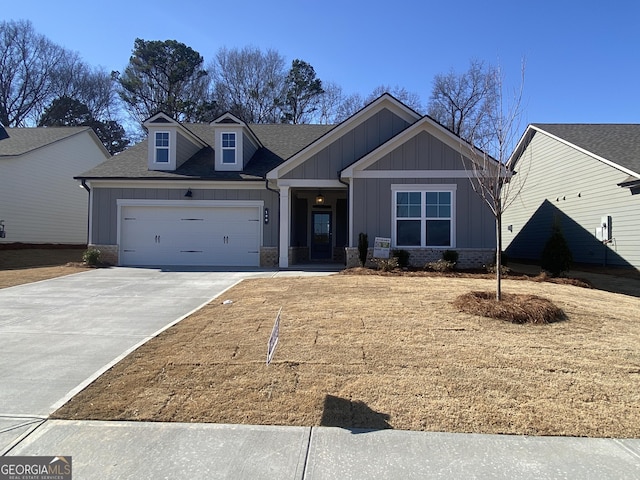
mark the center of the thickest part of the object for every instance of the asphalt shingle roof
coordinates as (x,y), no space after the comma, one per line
(618,143)
(23,140)
(280,142)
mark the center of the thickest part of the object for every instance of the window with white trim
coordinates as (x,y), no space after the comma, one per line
(424,216)
(228,148)
(162,147)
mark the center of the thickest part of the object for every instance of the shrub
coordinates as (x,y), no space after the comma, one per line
(491,267)
(450,256)
(91,256)
(386,264)
(402,256)
(440,266)
(363,248)
(556,256)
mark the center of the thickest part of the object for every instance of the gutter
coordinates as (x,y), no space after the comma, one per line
(84,185)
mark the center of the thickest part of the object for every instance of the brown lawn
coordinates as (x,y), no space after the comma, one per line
(386,352)
(26,265)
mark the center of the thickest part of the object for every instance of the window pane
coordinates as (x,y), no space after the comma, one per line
(438,233)
(444,198)
(408,232)
(444,211)
(431,198)
(432,211)
(162,155)
(228,140)
(162,139)
(415,211)
(402,198)
(402,211)
(228,156)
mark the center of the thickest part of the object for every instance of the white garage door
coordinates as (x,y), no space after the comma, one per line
(186,235)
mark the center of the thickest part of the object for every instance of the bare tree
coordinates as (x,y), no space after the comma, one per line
(410,99)
(328,103)
(29,67)
(249,83)
(488,172)
(464,102)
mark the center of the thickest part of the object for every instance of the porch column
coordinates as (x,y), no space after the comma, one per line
(285,221)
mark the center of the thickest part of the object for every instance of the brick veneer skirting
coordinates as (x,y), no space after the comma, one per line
(418,257)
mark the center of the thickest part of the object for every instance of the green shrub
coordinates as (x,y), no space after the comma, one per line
(402,256)
(556,255)
(91,256)
(363,248)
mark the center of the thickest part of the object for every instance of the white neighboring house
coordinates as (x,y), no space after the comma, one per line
(40,202)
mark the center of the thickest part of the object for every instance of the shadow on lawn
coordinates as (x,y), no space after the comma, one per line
(343,413)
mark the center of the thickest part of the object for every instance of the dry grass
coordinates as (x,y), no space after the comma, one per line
(19,266)
(386,352)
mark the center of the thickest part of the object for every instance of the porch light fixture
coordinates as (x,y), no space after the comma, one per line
(189,193)
(319,199)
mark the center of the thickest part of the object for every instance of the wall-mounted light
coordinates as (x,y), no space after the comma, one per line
(319,199)
(266,216)
(510,228)
(189,193)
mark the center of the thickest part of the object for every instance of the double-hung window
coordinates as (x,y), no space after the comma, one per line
(424,215)
(162,147)
(228,148)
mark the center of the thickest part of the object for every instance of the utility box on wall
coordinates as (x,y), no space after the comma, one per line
(603,231)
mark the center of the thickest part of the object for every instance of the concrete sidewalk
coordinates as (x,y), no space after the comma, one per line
(58,335)
(129,450)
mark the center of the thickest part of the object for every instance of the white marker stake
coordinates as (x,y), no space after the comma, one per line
(273,339)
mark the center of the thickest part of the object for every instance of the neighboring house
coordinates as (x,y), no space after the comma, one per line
(232,194)
(586,177)
(40,201)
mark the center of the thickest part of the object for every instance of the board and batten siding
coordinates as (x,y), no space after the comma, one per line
(40,202)
(372,197)
(105,209)
(565,183)
(351,146)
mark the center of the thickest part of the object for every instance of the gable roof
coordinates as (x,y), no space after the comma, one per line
(279,142)
(385,101)
(425,124)
(617,145)
(24,139)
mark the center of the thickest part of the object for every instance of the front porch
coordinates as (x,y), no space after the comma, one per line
(316,221)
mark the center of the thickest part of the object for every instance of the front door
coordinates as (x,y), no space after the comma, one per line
(321,247)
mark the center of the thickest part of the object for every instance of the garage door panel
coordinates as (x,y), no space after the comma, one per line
(167,235)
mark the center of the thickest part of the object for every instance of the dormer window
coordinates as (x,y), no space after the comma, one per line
(229,148)
(162,147)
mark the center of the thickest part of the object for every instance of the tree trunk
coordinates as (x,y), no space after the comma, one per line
(498,257)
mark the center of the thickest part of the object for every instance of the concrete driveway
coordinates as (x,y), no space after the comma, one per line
(58,335)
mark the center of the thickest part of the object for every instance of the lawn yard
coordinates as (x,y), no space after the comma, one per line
(34,264)
(385,352)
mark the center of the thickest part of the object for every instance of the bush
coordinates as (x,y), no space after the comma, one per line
(450,256)
(491,267)
(363,248)
(402,256)
(556,256)
(386,264)
(440,266)
(91,256)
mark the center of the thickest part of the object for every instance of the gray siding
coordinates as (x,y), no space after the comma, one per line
(372,203)
(248,149)
(419,153)
(105,212)
(184,149)
(352,146)
(562,182)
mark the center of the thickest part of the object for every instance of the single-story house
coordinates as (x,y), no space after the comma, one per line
(232,194)
(40,201)
(587,178)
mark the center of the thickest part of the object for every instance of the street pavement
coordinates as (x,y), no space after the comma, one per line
(59,335)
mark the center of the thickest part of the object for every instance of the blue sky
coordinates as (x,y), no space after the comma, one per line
(582,57)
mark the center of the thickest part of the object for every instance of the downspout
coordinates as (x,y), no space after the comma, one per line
(278,226)
(86,187)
